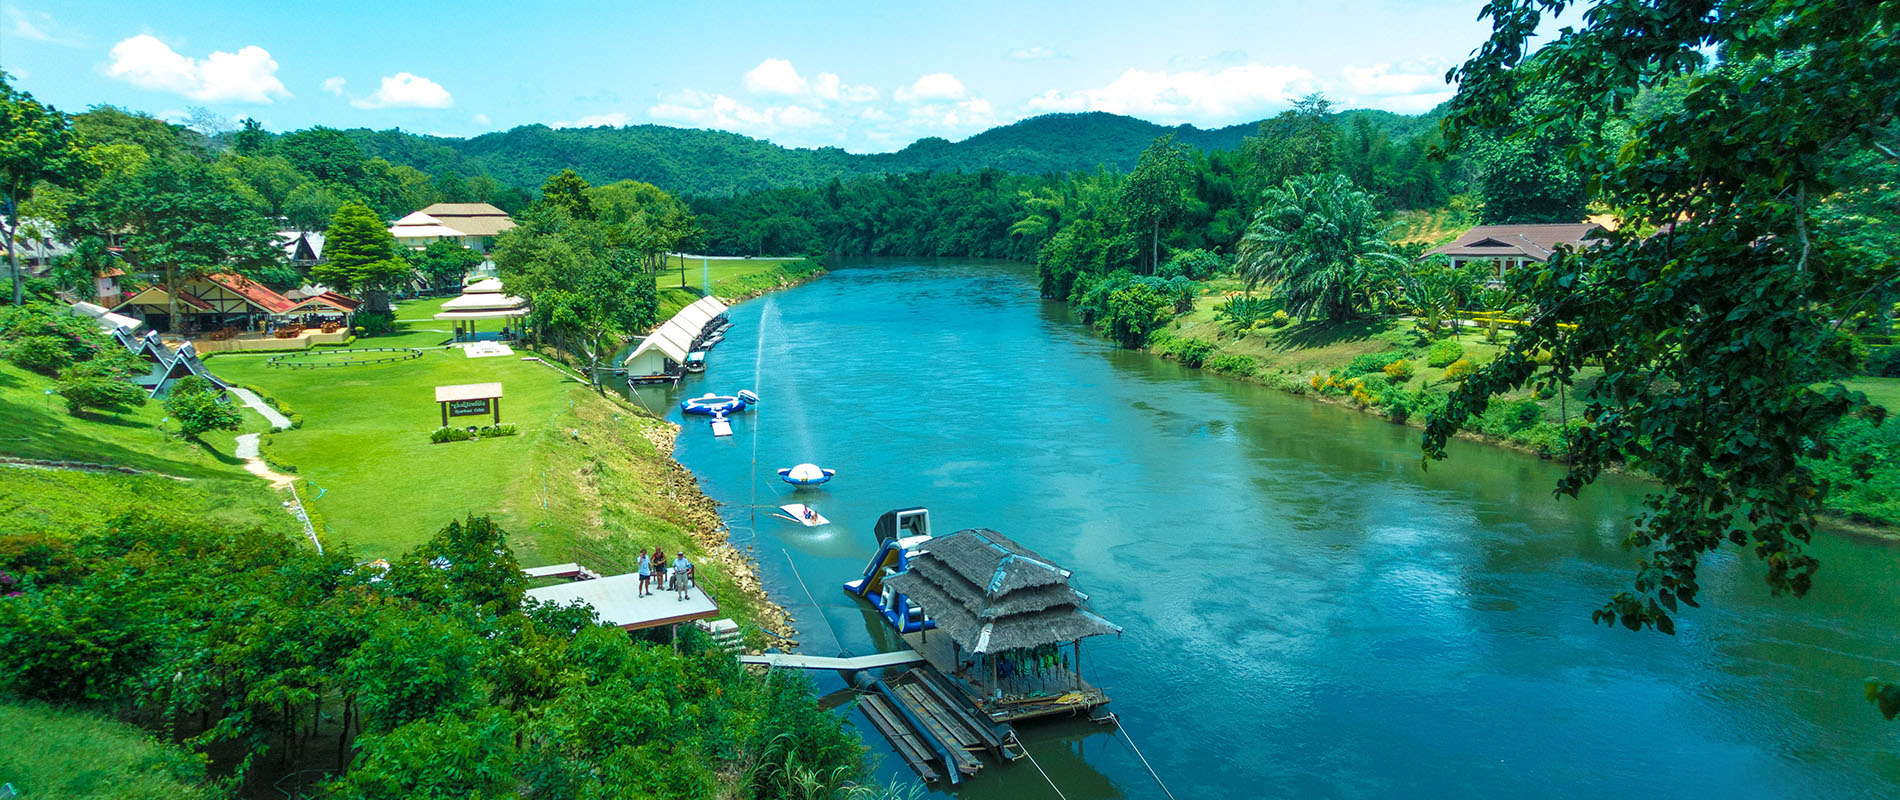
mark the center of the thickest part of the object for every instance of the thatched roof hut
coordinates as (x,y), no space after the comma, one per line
(992,594)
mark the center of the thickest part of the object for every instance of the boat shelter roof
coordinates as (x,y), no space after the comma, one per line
(616,598)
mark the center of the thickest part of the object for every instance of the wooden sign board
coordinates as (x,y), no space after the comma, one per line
(469,400)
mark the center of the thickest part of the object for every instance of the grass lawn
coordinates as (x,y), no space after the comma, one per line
(718,269)
(61,502)
(581,482)
(422,309)
(1880,391)
(80,755)
(34,424)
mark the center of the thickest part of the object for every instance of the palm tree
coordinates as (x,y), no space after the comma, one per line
(1317,240)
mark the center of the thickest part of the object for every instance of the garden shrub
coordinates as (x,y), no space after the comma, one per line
(1372,362)
(198,406)
(1197,265)
(1242,313)
(1459,370)
(1399,371)
(1443,352)
(1505,418)
(1280,319)
(441,435)
(296,421)
(1191,351)
(1230,363)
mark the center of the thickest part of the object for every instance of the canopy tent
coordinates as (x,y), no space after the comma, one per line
(483,299)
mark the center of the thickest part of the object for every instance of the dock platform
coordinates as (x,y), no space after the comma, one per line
(1060,692)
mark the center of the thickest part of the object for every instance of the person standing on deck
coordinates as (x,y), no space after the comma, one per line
(682,573)
(646,574)
(659,568)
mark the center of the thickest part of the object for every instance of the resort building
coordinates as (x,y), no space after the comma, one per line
(226,305)
(471,225)
(1507,247)
(301,249)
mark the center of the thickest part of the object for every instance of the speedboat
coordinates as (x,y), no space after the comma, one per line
(710,404)
(806,475)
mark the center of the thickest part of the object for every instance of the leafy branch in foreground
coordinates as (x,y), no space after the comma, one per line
(1724,337)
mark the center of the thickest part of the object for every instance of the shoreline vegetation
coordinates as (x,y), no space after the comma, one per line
(1346,365)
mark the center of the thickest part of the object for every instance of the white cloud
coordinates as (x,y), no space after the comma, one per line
(612,119)
(246,76)
(725,113)
(333,85)
(1234,94)
(935,86)
(1412,88)
(480,119)
(776,76)
(405,90)
(1036,53)
(39,27)
(831,87)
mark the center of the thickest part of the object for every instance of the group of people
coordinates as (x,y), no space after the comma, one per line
(654,567)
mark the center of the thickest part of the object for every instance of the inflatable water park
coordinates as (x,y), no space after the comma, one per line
(806,475)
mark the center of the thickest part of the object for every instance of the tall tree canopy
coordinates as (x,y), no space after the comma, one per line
(1725,337)
(1318,242)
(359,256)
(183,221)
(1156,191)
(567,190)
(36,144)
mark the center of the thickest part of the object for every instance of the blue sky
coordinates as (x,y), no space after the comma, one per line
(863,76)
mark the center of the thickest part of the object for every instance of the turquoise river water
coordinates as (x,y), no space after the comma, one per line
(1306,611)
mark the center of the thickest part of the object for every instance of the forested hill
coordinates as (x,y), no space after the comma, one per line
(691,161)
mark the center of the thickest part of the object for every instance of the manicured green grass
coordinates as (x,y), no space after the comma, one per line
(421,309)
(57,753)
(1880,391)
(709,272)
(34,424)
(61,502)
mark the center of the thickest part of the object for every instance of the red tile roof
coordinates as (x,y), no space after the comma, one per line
(255,292)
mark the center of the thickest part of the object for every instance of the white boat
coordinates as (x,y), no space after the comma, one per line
(802,514)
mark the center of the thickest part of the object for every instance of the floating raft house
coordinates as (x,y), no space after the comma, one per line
(1013,622)
(660,356)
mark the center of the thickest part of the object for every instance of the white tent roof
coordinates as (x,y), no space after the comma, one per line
(693,317)
(658,341)
(483,299)
(484,286)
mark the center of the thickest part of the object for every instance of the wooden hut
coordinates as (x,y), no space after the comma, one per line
(1015,623)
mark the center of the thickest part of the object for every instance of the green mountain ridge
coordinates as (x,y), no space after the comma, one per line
(709,162)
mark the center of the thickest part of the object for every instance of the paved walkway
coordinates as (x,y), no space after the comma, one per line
(247,449)
(255,403)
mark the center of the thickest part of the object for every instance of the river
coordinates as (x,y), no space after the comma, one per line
(1306,610)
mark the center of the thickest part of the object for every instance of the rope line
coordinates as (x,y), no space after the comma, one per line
(1045,775)
(835,639)
(1123,730)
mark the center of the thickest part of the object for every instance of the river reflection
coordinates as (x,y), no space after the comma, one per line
(1307,611)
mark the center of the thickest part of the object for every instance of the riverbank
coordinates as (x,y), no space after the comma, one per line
(1387,368)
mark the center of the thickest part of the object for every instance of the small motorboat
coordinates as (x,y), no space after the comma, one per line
(806,475)
(720,425)
(709,404)
(695,361)
(802,514)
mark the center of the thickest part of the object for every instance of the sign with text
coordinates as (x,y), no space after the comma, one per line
(468,408)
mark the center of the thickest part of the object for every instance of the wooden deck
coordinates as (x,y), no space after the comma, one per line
(1057,693)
